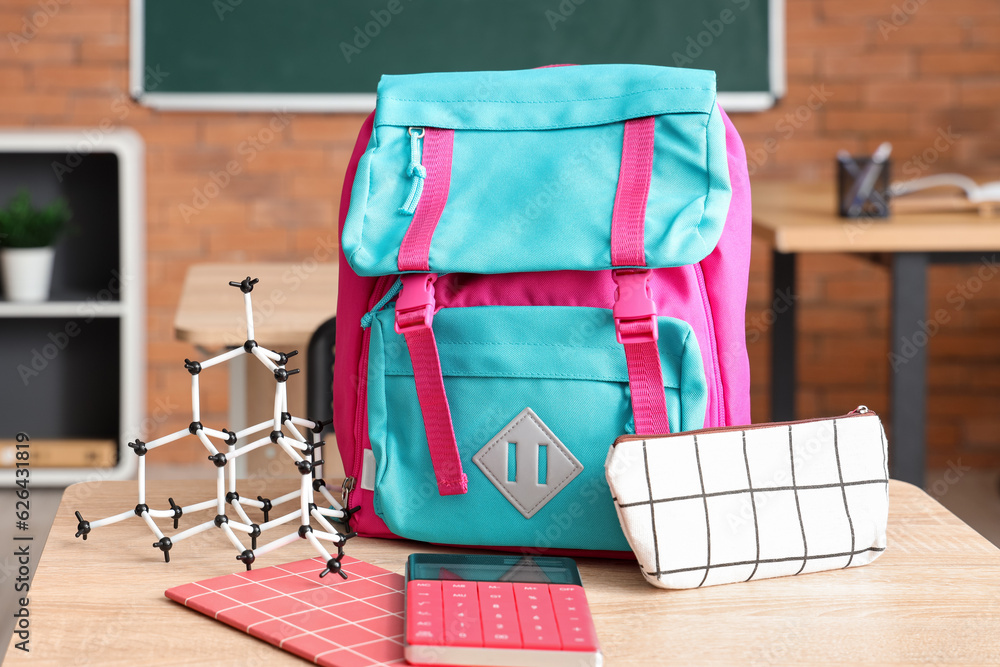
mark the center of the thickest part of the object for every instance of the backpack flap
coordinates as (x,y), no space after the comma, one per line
(503,172)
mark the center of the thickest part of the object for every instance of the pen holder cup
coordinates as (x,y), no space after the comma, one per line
(854,199)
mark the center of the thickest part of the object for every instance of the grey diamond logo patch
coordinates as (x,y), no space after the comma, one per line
(527,463)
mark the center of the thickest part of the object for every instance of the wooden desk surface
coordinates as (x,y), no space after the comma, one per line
(802,217)
(290,302)
(934,596)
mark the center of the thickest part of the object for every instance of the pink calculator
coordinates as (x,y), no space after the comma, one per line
(519,611)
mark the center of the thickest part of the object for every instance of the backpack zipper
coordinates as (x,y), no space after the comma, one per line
(416,171)
(368,318)
(713,344)
(361,414)
(860,411)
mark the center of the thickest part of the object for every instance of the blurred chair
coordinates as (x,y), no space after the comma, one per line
(319,373)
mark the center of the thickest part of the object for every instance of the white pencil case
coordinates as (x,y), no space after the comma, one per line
(729,504)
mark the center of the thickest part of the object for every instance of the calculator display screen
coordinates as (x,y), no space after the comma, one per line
(511,568)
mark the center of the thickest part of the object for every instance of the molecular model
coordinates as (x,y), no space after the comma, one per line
(283,433)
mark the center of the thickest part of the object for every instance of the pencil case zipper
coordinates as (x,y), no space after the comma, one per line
(860,411)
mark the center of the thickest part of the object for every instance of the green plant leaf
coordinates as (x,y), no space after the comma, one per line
(24,226)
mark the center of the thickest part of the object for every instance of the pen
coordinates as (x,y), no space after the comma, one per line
(865,182)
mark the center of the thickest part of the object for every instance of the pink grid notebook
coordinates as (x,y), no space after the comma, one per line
(329,621)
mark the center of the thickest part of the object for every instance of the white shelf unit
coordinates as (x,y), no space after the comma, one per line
(86,388)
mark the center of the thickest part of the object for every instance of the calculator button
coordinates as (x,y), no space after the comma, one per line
(424,624)
(498,612)
(461,613)
(576,627)
(536,617)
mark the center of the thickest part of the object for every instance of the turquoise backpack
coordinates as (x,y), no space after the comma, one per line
(533,263)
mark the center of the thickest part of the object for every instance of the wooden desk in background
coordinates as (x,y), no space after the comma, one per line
(934,596)
(801,218)
(290,302)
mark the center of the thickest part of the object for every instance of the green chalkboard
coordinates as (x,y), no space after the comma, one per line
(257,49)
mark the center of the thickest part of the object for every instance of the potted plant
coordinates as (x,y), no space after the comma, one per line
(27,236)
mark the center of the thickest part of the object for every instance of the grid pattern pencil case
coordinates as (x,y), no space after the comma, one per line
(722,505)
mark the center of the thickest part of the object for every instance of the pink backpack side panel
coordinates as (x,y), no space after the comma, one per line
(726,272)
(353,293)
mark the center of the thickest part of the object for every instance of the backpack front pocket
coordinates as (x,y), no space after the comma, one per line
(524,171)
(537,395)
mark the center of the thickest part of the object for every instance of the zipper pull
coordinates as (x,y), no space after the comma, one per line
(345,490)
(369,317)
(416,171)
(860,410)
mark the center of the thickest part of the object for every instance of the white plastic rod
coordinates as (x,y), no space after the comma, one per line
(220,491)
(167,439)
(250,430)
(222,358)
(195,399)
(290,425)
(278,408)
(169,514)
(280,500)
(283,443)
(211,432)
(231,468)
(242,527)
(334,537)
(268,364)
(271,354)
(205,441)
(304,499)
(319,547)
(232,538)
(308,423)
(142,479)
(111,519)
(321,520)
(291,516)
(194,530)
(248,307)
(251,502)
(246,449)
(292,443)
(333,514)
(330,499)
(197,507)
(152,525)
(239,510)
(276,544)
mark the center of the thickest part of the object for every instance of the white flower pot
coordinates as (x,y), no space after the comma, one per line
(27,273)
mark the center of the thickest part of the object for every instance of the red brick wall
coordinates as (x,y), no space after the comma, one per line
(925,75)
(859,72)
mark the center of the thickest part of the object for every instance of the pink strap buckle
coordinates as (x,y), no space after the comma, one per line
(634,310)
(415,304)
